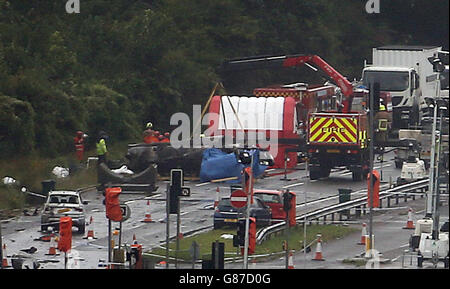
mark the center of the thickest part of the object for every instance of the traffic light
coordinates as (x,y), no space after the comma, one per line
(437,62)
(239,239)
(176,188)
(247,173)
(289,206)
(287,201)
(376,189)
(65,234)
(374,95)
(113,209)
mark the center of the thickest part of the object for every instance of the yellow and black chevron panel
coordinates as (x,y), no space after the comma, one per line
(333,130)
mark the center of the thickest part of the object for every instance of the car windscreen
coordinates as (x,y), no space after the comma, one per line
(63,199)
(269,198)
(389,80)
(224,204)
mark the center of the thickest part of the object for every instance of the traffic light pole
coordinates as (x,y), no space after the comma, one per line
(167,224)
(247,217)
(287,240)
(178,234)
(1,247)
(371,150)
(109,241)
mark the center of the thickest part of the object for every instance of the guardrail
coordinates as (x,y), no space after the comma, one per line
(405,190)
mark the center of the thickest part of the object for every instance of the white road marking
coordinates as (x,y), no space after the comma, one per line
(293,185)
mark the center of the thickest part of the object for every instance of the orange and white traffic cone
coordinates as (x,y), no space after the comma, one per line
(148,216)
(134,239)
(216,201)
(5,257)
(52,249)
(90,235)
(363,234)
(318,256)
(409,223)
(291,261)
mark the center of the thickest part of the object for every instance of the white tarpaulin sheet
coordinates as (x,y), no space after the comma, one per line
(254,113)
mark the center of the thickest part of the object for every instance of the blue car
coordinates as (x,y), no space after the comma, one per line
(227,215)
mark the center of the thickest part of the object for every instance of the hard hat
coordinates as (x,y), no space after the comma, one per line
(382,107)
(149,125)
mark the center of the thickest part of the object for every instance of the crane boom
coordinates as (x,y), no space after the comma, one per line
(260,62)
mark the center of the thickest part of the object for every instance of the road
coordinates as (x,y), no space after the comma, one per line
(196,213)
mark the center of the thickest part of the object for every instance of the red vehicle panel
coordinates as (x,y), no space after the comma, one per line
(273,199)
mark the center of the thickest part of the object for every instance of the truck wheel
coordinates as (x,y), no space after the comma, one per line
(325,172)
(82,229)
(420,261)
(314,174)
(446,262)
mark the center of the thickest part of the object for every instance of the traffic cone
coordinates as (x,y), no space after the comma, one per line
(216,201)
(148,216)
(5,260)
(363,234)
(90,235)
(52,249)
(291,261)
(134,239)
(409,223)
(318,256)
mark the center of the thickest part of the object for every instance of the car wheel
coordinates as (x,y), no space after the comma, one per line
(82,229)
(420,261)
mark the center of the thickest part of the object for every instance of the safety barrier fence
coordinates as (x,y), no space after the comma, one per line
(360,204)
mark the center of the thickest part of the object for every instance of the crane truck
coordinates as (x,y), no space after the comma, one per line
(334,137)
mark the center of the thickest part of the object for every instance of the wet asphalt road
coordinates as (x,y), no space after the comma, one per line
(196,213)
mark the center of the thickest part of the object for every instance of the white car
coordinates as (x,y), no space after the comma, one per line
(60,204)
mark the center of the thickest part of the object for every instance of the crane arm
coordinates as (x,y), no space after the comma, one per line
(260,62)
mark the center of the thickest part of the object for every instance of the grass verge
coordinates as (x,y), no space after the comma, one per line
(271,246)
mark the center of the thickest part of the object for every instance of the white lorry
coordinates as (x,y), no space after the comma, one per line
(406,73)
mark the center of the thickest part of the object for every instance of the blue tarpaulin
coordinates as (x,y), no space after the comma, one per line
(217,164)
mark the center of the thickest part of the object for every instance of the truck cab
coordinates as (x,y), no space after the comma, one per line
(401,83)
(404,72)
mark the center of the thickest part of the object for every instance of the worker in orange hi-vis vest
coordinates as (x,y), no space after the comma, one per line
(166,137)
(150,136)
(79,145)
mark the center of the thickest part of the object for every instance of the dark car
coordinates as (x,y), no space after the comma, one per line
(226,214)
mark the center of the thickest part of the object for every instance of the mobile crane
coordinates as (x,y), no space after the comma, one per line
(334,137)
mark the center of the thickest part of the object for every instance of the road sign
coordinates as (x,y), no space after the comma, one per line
(126,211)
(238,199)
(185,192)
